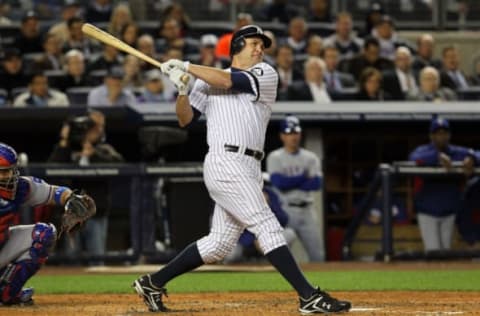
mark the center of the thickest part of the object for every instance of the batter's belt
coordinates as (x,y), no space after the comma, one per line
(249,152)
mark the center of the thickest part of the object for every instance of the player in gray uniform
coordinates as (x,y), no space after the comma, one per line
(23,248)
(237,104)
(295,173)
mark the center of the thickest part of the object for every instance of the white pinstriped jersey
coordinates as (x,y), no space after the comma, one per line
(237,118)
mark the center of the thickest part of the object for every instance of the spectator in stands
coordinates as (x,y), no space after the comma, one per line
(207,57)
(75,71)
(30,39)
(133,77)
(85,145)
(40,95)
(170,36)
(146,44)
(370,57)
(319,11)
(271,52)
(429,88)
(176,11)
(474,78)
(77,40)
(424,57)
(451,76)
(286,71)
(437,200)
(111,93)
(222,51)
(47,9)
(153,90)
(295,174)
(4,11)
(109,58)
(401,80)
(52,57)
(120,17)
(98,11)
(278,11)
(344,39)
(388,39)
(130,33)
(297,35)
(12,72)
(313,88)
(70,10)
(336,81)
(314,46)
(373,16)
(370,84)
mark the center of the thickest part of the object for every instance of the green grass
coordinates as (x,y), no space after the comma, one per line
(461,280)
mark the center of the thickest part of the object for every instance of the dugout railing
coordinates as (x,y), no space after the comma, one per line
(382,181)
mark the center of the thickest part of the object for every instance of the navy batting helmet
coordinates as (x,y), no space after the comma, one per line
(8,180)
(290,124)
(238,39)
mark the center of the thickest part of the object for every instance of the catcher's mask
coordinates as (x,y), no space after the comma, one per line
(9,173)
(238,39)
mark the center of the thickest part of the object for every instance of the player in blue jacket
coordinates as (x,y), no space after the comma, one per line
(23,248)
(438,199)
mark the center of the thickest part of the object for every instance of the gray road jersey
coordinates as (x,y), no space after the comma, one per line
(40,192)
(304,161)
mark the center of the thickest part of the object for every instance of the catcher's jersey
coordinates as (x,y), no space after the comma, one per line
(304,161)
(238,118)
(30,192)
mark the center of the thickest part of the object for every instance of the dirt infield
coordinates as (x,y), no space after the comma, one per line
(264,304)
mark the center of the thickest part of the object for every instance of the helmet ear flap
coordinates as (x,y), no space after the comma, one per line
(237,45)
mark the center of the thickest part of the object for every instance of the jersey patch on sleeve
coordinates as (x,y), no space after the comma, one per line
(257,71)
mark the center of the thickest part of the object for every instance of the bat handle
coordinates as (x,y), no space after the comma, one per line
(185,78)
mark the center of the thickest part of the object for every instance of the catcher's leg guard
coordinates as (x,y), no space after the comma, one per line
(13,277)
(44,237)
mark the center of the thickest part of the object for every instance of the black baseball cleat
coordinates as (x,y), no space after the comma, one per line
(322,303)
(152,295)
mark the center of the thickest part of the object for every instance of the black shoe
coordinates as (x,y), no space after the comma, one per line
(322,302)
(24,298)
(152,295)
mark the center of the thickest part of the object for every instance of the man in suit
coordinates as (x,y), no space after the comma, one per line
(451,76)
(344,39)
(313,87)
(399,81)
(286,71)
(370,57)
(52,58)
(336,81)
(425,48)
(429,88)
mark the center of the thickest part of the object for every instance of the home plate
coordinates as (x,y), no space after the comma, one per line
(364,309)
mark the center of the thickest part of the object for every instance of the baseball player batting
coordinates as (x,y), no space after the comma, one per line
(24,248)
(237,103)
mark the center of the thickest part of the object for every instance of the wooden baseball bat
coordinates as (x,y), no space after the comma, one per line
(106,38)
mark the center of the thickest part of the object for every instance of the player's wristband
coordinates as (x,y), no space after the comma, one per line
(186,64)
(57,195)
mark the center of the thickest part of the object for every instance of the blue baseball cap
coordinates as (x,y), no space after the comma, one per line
(439,123)
(290,124)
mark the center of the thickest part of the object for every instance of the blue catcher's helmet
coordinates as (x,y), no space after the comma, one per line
(8,172)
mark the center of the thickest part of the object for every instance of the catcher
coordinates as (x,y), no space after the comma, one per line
(24,248)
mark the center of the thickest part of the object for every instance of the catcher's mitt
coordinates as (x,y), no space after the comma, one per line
(78,209)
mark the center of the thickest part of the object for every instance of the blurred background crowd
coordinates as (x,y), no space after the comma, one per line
(322,52)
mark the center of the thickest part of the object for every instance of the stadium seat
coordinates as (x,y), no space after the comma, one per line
(8,33)
(3,97)
(97,76)
(17,91)
(470,93)
(78,96)
(54,77)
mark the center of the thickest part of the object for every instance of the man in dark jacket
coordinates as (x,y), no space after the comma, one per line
(82,142)
(437,200)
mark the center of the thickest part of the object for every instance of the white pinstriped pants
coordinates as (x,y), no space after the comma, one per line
(234,182)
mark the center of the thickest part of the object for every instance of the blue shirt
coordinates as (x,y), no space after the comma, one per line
(99,97)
